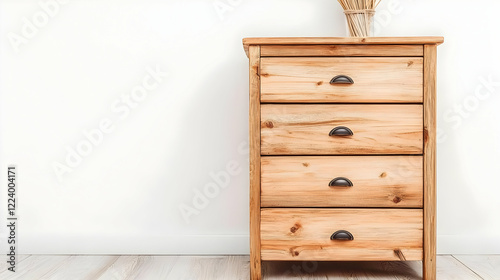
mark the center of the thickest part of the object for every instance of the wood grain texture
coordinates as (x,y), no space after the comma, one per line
(131,267)
(450,268)
(76,266)
(60,267)
(35,267)
(237,268)
(429,261)
(342,50)
(254,134)
(378,181)
(209,267)
(486,266)
(125,266)
(304,234)
(178,267)
(307,79)
(304,129)
(4,265)
(341,41)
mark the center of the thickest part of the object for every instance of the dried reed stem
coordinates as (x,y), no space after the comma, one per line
(359,15)
(359,4)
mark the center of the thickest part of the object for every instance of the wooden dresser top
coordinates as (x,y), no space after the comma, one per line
(341,41)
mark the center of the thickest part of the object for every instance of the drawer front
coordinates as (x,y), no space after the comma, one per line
(305,129)
(342,181)
(375,79)
(305,234)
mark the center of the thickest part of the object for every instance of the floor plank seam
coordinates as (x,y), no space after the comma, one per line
(453,256)
(129,267)
(18,262)
(105,268)
(56,267)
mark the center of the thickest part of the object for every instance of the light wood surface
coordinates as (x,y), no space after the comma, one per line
(254,134)
(342,50)
(130,267)
(126,266)
(304,234)
(31,267)
(451,268)
(299,156)
(307,79)
(304,129)
(378,181)
(60,267)
(341,41)
(76,266)
(178,267)
(429,162)
(4,265)
(35,267)
(486,266)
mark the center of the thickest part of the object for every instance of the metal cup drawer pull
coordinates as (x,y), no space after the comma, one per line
(341,131)
(341,79)
(342,235)
(340,182)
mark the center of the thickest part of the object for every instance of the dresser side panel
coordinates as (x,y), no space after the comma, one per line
(429,262)
(254,134)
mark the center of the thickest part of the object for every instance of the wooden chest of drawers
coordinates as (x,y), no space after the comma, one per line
(342,149)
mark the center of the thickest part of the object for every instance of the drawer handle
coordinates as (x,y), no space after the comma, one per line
(341,131)
(342,235)
(340,182)
(342,79)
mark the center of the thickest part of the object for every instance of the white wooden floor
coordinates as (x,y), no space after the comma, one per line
(33,267)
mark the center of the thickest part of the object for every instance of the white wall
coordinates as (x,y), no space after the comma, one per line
(70,73)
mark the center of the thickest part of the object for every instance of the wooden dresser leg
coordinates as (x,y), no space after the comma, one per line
(255,269)
(430,269)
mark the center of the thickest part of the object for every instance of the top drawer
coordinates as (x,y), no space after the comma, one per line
(308,79)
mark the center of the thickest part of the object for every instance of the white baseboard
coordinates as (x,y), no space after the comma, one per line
(468,244)
(135,245)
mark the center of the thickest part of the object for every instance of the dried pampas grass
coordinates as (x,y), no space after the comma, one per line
(359,15)
(359,4)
